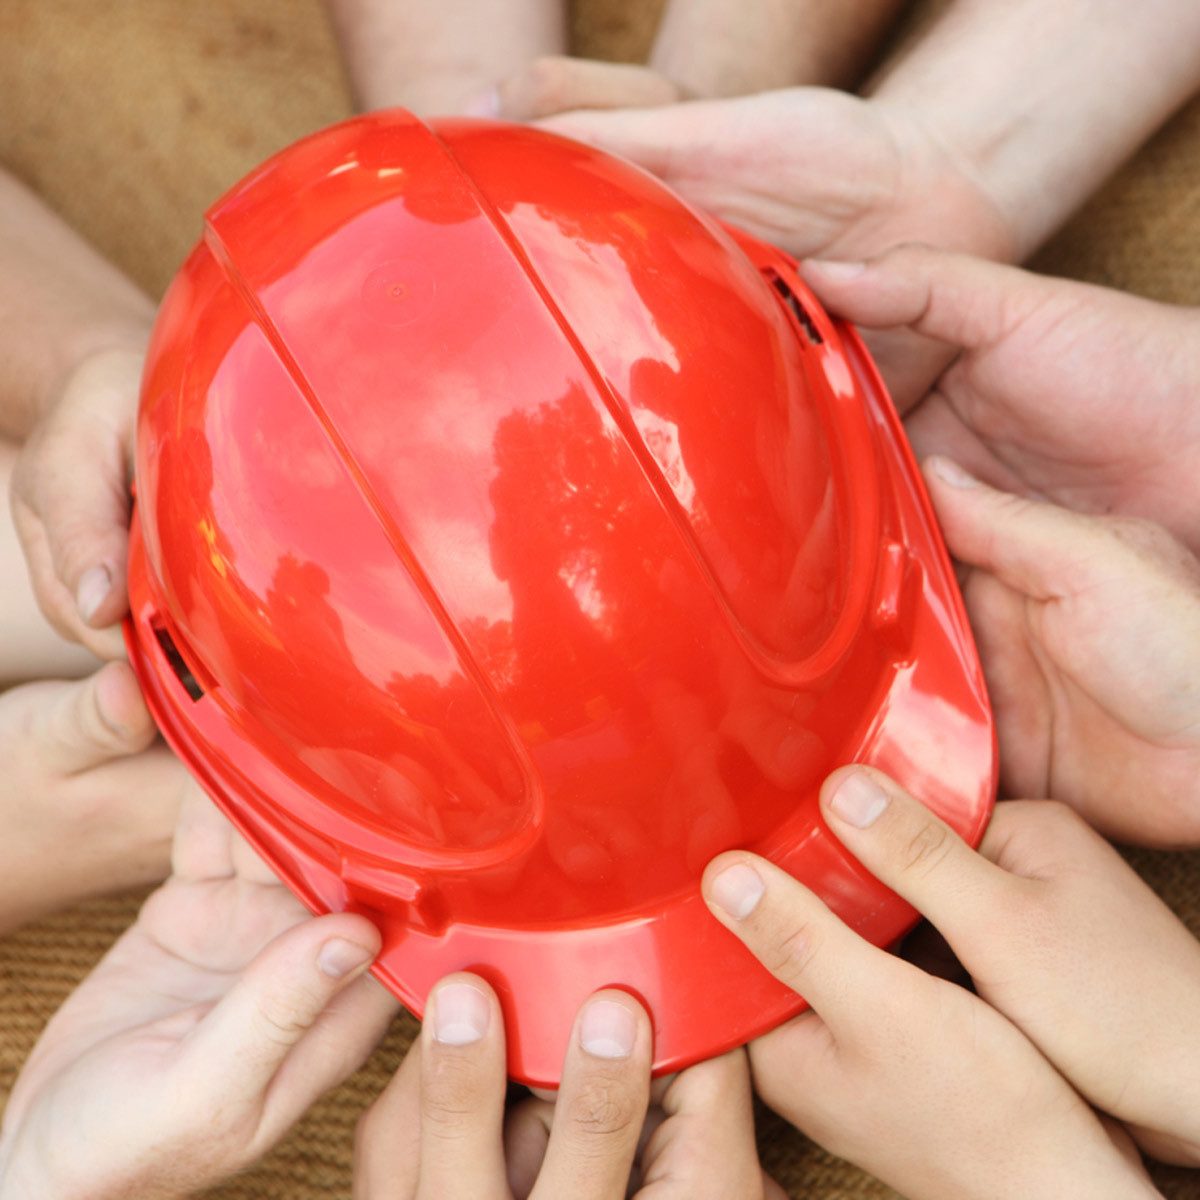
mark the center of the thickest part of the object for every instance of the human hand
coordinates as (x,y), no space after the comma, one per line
(70,499)
(817,172)
(203,1034)
(1074,393)
(1060,935)
(438,1130)
(555,83)
(1089,633)
(911,1077)
(88,800)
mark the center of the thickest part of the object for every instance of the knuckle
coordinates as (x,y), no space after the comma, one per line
(283,1021)
(791,957)
(603,1109)
(926,849)
(450,1095)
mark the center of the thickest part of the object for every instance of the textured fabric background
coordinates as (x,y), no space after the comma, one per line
(131,117)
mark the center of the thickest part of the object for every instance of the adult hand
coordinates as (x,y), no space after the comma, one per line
(1071,392)
(1089,632)
(554,83)
(203,1034)
(911,1077)
(817,172)
(88,799)
(70,499)
(438,1130)
(1060,935)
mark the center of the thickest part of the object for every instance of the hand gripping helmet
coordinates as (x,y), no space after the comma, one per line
(510,539)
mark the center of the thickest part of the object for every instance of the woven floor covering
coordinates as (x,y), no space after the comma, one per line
(130,118)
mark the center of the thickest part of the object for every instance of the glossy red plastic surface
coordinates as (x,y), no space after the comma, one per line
(529,539)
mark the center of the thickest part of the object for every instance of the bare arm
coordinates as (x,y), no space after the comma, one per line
(1041,102)
(435,56)
(60,302)
(730,47)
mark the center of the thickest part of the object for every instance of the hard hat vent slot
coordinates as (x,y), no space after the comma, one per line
(182,671)
(797,309)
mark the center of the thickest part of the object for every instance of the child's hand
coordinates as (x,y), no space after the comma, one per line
(438,1131)
(1074,393)
(1089,631)
(88,799)
(1061,936)
(205,1032)
(70,500)
(911,1077)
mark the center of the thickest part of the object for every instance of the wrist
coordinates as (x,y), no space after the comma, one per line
(941,197)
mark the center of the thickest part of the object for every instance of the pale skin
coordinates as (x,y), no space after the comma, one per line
(88,799)
(439,1131)
(942,1094)
(953,146)
(1038,401)
(86,785)
(499,58)
(201,1037)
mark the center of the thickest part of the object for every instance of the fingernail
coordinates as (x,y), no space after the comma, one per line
(461,1014)
(858,800)
(485,104)
(607,1029)
(339,957)
(836,269)
(93,589)
(737,890)
(948,471)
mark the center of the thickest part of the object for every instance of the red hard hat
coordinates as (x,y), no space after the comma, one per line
(510,539)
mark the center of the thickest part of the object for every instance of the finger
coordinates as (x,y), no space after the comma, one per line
(556,83)
(75,727)
(526,1136)
(338,1043)
(1043,551)
(387,1138)
(235,1051)
(659,139)
(463,1083)
(795,936)
(74,477)
(705,1147)
(955,298)
(915,853)
(601,1103)
(54,601)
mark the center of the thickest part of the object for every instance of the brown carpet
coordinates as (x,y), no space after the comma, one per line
(131,117)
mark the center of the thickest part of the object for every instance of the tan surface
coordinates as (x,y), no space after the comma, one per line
(131,117)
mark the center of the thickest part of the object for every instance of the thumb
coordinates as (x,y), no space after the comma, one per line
(1034,547)
(235,1052)
(557,83)
(75,727)
(906,846)
(966,301)
(708,1132)
(661,139)
(70,499)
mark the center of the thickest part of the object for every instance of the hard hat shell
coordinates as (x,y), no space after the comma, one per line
(510,539)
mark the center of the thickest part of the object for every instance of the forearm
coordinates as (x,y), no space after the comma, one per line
(1041,102)
(767,44)
(60,302)
(434,56)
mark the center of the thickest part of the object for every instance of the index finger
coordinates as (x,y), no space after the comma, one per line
(800,941)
